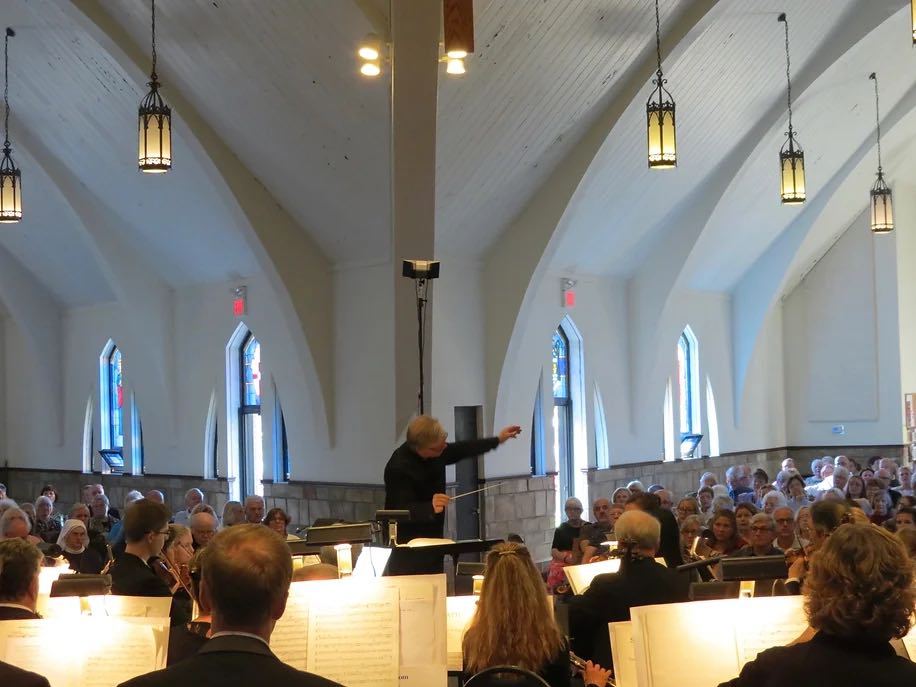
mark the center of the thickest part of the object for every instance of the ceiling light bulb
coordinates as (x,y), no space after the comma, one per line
(370,48)
(368,53)
(455,66)
(457,54)
(370,69)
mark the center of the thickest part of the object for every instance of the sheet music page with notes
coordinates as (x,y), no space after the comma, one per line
(781,621)
(460,610)
(290,638)
(353,636)
(624,653)
(581,576)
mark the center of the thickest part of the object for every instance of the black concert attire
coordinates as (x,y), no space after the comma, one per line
(828,660)
(410,482)
(748,552)
(556,673)
(16,613)
(231,661)
(186,640)
(11,676)
(566,537)
(639,582)
(89,562)
(130,576)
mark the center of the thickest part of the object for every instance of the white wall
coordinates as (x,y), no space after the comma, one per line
(841,346)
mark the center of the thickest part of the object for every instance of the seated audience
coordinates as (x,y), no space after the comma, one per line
(743,514)
(826,517)
(691,528)
(707,479)
(254,509)
(204,508)
(635,486)
(233,514)
(723,539)
(203,529)
(773,500)
(639,582)
(905,478)
(192,498)
(278,520)
(905,517)
(881,507)
(788,464)
(565,550)
(855,487)
(514,623)
(19,566)
(15,524)
(620,496)
(47,523)
(116,534)
(796,497)
(704,497)
(102,518)
(74,542)
(763,533)
(815,476)
(593,533)
(786,537)
(155,495)
(685,508)
(859,595)
(97,541)
(245,577)
(665,499)
(737,478)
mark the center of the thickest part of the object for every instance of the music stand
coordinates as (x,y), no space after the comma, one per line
(81,585)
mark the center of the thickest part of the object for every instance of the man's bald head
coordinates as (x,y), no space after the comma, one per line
(203,528)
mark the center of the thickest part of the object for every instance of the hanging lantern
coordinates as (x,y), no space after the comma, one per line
(792,164)
(155,123)
(791,157)
(10,176)
(660,123)
(882,201)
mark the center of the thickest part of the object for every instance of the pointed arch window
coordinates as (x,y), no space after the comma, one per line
(111,405)
(562,414)
(688,388)
(251,463)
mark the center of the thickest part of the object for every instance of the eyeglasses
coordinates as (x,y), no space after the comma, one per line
(761,529)
(164,532)
(784,521)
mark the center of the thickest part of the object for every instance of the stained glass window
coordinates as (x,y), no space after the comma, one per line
(562,414)
(685,384)
(251,372)
(560,365)
(251,445)
(115,401)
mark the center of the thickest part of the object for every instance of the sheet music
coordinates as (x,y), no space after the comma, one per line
(119,649)
(131,606)
(355,643)
(909,642)
(581,576)
(290,638)
(624,653)
(459,612)
(753,638)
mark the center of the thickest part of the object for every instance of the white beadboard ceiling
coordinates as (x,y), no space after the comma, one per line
(277,81)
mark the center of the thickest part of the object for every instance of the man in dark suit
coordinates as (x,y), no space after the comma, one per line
(19,566)
(640,582)
(146,526)
(11,676)
(415,481)
(245,577)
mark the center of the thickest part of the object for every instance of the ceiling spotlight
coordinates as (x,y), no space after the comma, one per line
(457,33)
(454,65)
(370,55)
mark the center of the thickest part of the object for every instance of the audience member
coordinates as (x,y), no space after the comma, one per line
(704,497)
(620,496)
(763,533)
(47,523)
(15,524)
(204,508)
(905,517)
(514,623)
(786,538)
(278,520)
(155,496)
(254,509)
(815,476)
(691,528)
(743,514)
(593,533)
(788,464)
(665,499)
(565,550)
(855,487)
(233,514)
(905,479)
(796,497)
(19,566)
(74,542)
(192,497)
(685,508)
(102,518)
(639,582)
(858,596)
(707,479)
(737,478)
(245,577)
(908,536)
(773,500)
(203,529)
(635,486)
(2,491)
(724,539)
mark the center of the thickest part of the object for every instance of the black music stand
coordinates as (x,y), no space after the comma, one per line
(426,560)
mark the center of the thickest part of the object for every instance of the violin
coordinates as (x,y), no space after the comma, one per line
(175,577)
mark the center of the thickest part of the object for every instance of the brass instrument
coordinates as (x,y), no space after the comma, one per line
(109,559)
(579,664)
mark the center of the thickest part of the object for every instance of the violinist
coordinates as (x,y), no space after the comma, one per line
(826,516)
(145,531)
(172,568)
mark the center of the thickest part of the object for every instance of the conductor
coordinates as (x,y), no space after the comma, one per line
(415,481)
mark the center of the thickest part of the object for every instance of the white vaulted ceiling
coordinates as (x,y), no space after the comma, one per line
(277,82)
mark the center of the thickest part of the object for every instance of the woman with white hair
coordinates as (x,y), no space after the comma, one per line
(47,524)
(74,541)
(773,500)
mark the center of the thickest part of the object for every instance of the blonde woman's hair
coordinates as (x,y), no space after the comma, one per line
(513,624)
(424,431)
(176,532)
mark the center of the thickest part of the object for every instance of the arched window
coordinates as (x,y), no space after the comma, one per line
(688,387)
(562,414)
(281,443)
(538,462)
(251,457)
(111,404)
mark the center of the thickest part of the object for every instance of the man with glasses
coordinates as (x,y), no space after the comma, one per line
(786,539)
(203,527)
(763,532)
(594,533)
(146,526)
